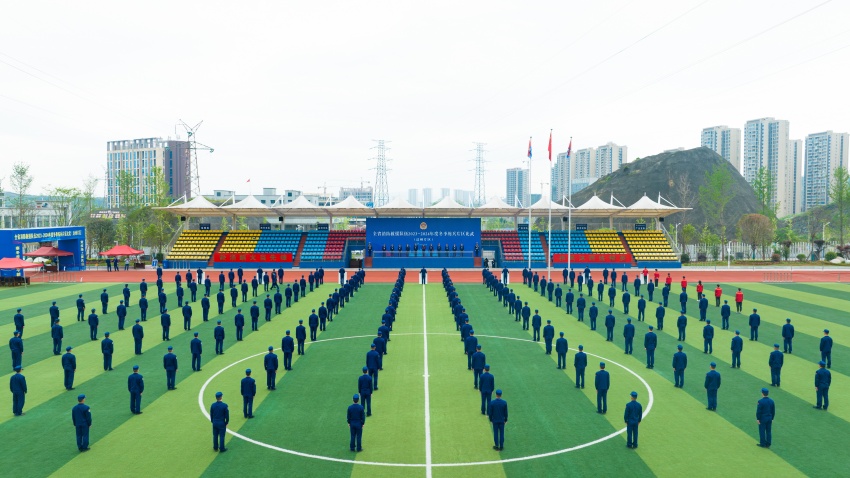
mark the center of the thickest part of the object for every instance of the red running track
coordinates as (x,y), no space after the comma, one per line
(473,276)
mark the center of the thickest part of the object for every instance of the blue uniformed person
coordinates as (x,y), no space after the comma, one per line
(300,336)
(641,305)
(195,347)
(632,416)
(580,364)
(19,322)
(220,418)
(765,413)
(610,322)
(16,346)
(121,312)
(287,347)
(313,322)
(754,322)
(526,315)
(536,322)
(548,336)
(486,385)
(255,316)
(725,312)
(602,383)
(143,308)
(787,336)
(712,384)
(682,324)
(205,307)
(775,362)
(650,343)
(239,323)
(218,335)
(374,363)
(612,293)
(18,387)
(165,321)
(169,363)
(581,303)
(708,338)
(364,388)
(356,418)
(136,385)
(69,367)
(498,413)
(81,308)
(138,335)
(737,348)
(626,299)
(629,335)
(104,300)
(270,365)
(680,363)
(234,294)
(478,360)
(659,316)
(248,389)
(469,346)
(823,379)
(570,297)
(703,308)
(593,313)
(107,348)
(81,418)
(56,334)
(826,348)
(561,348)
(54,313)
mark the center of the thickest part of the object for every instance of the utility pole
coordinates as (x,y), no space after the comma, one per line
(192,173)
(479,195)
(381,194)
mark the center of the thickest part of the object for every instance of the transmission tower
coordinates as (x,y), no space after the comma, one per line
(192,173)
(381,194)
(479,194)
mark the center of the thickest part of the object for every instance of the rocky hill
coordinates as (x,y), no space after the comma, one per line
(677,175)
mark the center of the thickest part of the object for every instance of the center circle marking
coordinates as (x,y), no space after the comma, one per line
(202,405)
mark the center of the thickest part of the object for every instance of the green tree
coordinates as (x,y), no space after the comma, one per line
(764,186)
(839,194)
(757,230)
(66,201)
(20,181)
(714,194)
(128,191)
(101,234)
(689,234)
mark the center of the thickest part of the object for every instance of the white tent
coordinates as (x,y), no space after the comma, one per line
(299,207)
(198,206)
(542,207)
(448,207)
(595,207)
(250,206)
(646,207)
(495,207)
(349,207)
(398,207)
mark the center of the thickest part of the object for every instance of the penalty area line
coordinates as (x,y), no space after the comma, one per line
(428,463)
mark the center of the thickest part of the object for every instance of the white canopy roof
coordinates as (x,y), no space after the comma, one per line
(197,206)
(646,207)
(349,207)
(595,207)
(250,206)
(448,207)
(545,204)
(398,207)
(495,207)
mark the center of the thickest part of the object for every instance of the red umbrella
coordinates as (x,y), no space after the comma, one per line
(123,250)
(48,251)
(15,263)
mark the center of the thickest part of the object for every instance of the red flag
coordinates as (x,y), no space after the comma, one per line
(570,148)
(248,181)
(550,145)
(529,147)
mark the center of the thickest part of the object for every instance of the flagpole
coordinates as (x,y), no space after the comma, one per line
(570,205)
(529,202)
(549,236)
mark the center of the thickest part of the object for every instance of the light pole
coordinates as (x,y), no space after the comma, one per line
(676,237)
(823,236)
(729,255)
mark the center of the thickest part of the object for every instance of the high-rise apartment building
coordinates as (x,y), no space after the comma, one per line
(517,193)
(364,194)
(724,141)
(825,152)
(609,158)
(427,197)
(413,197)
(767,145)
(136,159)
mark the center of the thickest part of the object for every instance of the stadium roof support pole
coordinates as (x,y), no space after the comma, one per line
(529,203)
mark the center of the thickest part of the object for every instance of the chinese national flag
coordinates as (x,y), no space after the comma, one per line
(550,145)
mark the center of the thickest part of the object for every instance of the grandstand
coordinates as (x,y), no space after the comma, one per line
(279,241)
(240,241)
(194,245)
(314,247)
(649,246)
(605,242)
(336,243)
(561,243)
(509,241)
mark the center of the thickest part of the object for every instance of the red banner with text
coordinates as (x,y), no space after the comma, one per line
(591,258)
(253,257)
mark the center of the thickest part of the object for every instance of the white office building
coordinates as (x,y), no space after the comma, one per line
(517,193)
(767,145)
(825,152)
(724,141)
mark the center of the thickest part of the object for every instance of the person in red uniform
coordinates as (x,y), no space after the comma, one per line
(668,280)
(739,300)
(645,275)
(657,276)
(684,283)
(700,288)
(717,293)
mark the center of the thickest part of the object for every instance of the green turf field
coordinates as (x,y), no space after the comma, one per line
(553,428)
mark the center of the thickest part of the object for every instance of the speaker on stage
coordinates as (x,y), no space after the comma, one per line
(182,218)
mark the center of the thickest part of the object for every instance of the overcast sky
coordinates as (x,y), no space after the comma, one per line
(291,94)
